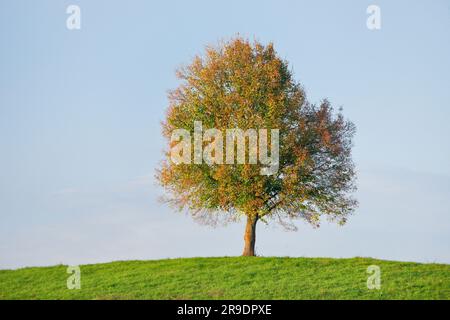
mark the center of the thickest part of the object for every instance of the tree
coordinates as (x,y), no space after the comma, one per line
(243,84)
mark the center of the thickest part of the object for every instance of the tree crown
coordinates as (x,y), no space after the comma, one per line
(239,84)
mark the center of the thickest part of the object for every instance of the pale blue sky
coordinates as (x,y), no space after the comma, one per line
(80,116)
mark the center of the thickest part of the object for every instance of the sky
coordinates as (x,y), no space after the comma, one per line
(80,134)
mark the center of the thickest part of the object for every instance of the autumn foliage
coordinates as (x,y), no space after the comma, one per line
(243,84)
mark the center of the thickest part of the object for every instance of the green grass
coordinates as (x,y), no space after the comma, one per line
(232,278)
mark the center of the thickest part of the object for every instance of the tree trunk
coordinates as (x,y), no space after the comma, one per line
(250,237)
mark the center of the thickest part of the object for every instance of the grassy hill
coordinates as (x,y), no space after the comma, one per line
(232,278)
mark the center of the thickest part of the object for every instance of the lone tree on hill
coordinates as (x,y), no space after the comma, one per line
(245,85)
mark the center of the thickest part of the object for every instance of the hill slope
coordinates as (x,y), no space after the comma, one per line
(232,278)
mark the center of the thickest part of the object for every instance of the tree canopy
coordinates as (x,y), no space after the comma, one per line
(243,84)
